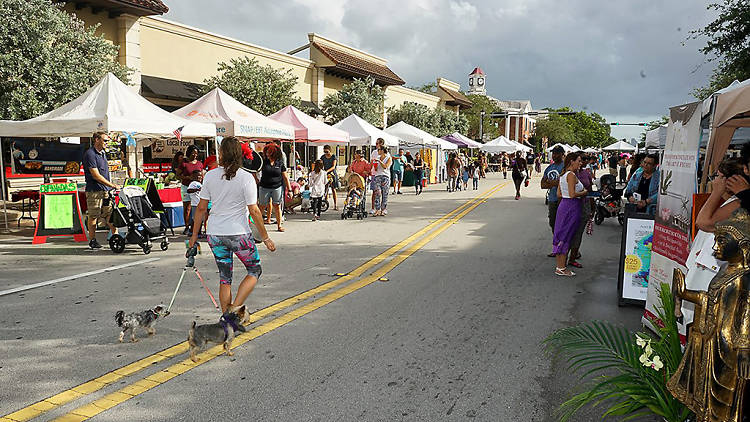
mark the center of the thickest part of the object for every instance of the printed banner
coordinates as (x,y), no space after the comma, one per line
(636,258)
(166,148)
(677,185)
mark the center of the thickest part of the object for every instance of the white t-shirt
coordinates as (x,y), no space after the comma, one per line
(229,201)
(317,182)
(194,196)
(382,170)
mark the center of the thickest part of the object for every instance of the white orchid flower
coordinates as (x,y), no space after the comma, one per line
(648,350)
(640,341)
(644,360)
(657,364)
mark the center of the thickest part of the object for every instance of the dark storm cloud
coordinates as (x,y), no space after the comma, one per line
(619,59)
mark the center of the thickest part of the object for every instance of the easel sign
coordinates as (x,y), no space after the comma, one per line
(635,258)
(59,213)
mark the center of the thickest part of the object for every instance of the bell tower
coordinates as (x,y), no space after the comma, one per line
(477,81)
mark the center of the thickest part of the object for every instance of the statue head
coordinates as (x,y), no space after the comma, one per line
(732,235)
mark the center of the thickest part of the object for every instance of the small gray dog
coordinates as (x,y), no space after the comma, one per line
(223,332)
(131,321)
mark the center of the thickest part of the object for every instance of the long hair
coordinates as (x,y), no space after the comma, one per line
(176,159)
(318,166)
(230,156)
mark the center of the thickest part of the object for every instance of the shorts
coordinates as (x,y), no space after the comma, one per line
(397,175)
(265,194)
(95,202)
(184,193)
(241,245)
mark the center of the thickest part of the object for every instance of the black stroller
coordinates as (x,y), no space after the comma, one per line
(609,203)
(354,204)
(135,212)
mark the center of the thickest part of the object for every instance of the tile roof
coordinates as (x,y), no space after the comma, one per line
(156,6)
(477,70)
(457,97)
(352,65)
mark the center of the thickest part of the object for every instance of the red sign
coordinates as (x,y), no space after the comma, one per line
(671,243)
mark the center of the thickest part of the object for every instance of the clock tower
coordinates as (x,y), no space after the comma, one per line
(477,80)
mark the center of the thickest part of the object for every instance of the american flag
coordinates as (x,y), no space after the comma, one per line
(178,133)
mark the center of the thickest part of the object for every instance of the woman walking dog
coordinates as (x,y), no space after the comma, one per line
(232,193)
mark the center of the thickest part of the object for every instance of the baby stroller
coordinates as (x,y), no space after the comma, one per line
(135,212)
(354,205)
(609,202)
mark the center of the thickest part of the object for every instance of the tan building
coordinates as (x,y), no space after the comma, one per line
(171,60)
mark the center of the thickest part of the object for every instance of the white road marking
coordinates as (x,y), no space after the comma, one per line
(73,277)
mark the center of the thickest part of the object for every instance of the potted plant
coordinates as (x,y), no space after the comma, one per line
(624,372)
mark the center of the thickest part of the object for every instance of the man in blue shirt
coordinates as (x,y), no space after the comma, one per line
(96,172)
(550,181)
(397,171)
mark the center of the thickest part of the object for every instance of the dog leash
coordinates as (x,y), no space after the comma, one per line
(190,264)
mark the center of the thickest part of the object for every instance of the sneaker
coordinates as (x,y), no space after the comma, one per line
(385,212)
(372,211)
(399,193)
(93,244)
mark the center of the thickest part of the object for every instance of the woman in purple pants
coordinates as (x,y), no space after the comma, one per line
(568,217)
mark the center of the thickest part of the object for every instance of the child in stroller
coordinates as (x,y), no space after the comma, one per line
(354,205)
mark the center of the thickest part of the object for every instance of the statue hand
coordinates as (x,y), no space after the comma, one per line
(743,364)
(678,283)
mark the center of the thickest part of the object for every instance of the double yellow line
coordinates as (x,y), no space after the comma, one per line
(113,399)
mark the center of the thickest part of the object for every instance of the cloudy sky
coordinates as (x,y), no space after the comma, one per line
(627,60)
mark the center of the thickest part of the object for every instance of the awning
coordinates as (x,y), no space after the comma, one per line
(349,65)
(152,86)
(456,98)
(311,107)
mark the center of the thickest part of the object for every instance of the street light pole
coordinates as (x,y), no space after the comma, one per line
(481,127)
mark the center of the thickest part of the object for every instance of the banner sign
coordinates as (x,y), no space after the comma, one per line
(677,185)
(166,148)
(34,157)
(635,258)
(59,213)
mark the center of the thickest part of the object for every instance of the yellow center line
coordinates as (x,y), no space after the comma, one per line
(36,409)
(126,393)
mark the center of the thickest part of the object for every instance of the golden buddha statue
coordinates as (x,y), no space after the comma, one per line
(715,367)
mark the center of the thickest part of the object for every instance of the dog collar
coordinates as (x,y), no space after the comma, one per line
(224,322)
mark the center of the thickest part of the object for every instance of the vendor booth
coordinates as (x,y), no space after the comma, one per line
(362,133)
(619,146)
(498,145)
(429,146)
(109,106)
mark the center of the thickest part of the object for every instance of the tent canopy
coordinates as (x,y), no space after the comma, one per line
(108,106)
(413,135)
(232,118)
(462,140)
(499,144)
(566,147)
(591,150)
(657,138)
(446,144)
(520,146)
(731,107)
(363,133)
(619,146)
(307,128)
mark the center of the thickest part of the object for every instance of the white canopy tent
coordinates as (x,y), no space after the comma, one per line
(447,145)
(620,146)
(657,138)
(520,146)
(499,144)
(566,147)
(362,133)
(471,144)
(232,118)
(412,135)
(591,150)
(108,106)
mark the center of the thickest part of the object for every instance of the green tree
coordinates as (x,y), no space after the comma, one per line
(262,88)
(581,128)
(428,88)
(728,44)
(437,121)
(653,125)
(48,57)
(361,97)
(479,103)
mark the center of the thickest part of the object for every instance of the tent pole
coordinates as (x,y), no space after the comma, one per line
(3,187)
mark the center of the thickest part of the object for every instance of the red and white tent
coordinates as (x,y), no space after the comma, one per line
(307,128)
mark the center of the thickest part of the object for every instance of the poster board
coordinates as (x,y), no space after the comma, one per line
(59,213)
(635,258)
(166,148)
(149,187)
(677,185)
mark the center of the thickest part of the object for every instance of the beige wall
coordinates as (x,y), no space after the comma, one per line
(168,50)
(333,84)
(108,27)
(397,95)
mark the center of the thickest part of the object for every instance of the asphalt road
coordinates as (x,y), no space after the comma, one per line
(445,326)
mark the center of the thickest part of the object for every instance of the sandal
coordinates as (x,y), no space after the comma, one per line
(578,256)
(564,272)
(551,255)
(280,229)
(575,264)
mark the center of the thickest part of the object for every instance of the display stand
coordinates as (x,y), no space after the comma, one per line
(59,213)
(635,258)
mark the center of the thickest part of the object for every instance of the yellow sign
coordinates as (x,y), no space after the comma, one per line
(632,264)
